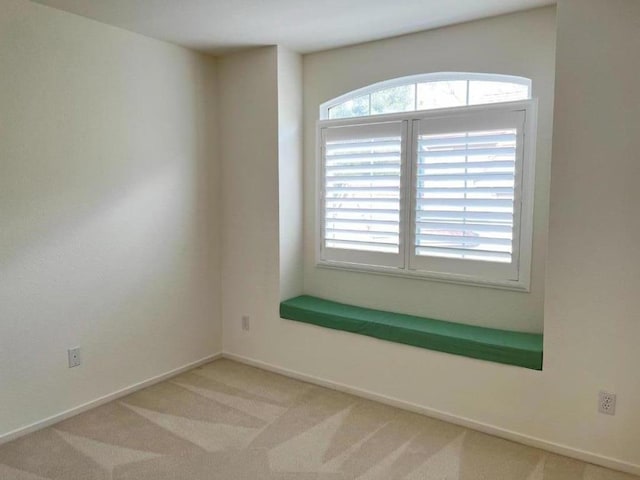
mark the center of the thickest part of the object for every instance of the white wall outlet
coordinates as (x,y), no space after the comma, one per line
(74,357)
(607,403)
(246,323)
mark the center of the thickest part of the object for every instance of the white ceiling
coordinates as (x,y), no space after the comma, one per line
(217,26)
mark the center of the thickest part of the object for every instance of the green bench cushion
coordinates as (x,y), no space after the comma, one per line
(502,346)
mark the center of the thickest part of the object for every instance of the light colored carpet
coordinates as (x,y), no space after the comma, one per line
(233,422)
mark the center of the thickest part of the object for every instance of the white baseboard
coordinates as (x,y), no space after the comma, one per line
(560,449)
(7,437)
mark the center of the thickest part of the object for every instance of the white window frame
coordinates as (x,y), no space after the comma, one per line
(409,267)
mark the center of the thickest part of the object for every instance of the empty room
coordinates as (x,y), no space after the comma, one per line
(339,240)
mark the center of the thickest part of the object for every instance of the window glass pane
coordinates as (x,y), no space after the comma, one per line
(393,100)
(493,92)
(358,107)
(465,195)
(442,94)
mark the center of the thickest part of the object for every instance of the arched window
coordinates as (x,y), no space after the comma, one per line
(427,92)
(430,175)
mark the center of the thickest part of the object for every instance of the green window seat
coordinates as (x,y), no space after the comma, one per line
(502,346)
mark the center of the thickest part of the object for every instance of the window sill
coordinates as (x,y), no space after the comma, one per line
(513,285)
(501,346)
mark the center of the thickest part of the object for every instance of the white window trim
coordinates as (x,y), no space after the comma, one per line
(420,78)
(527,199)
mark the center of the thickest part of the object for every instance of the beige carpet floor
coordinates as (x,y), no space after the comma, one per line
(233,422)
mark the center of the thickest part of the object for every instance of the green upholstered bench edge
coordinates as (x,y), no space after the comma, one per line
(502,346)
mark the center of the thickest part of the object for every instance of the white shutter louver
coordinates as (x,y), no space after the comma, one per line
(465,195)
(467,179)
(362,171)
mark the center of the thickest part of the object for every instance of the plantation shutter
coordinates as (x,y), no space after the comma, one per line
(466,194)
(362,172)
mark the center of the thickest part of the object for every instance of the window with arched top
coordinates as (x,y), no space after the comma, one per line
(427,92)
(430,176)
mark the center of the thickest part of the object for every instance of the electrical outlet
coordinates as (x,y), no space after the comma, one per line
(74,357)
(607,403)
(246,324)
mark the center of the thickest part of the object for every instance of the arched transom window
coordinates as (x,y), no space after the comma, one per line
(427,92)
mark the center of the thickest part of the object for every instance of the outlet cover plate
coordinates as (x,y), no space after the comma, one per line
(74,357)
(607,403)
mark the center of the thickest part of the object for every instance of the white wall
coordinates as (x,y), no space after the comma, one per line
(109,199)
(520,44)
(590,314)
(592,309)
(290,166)
(248,110)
